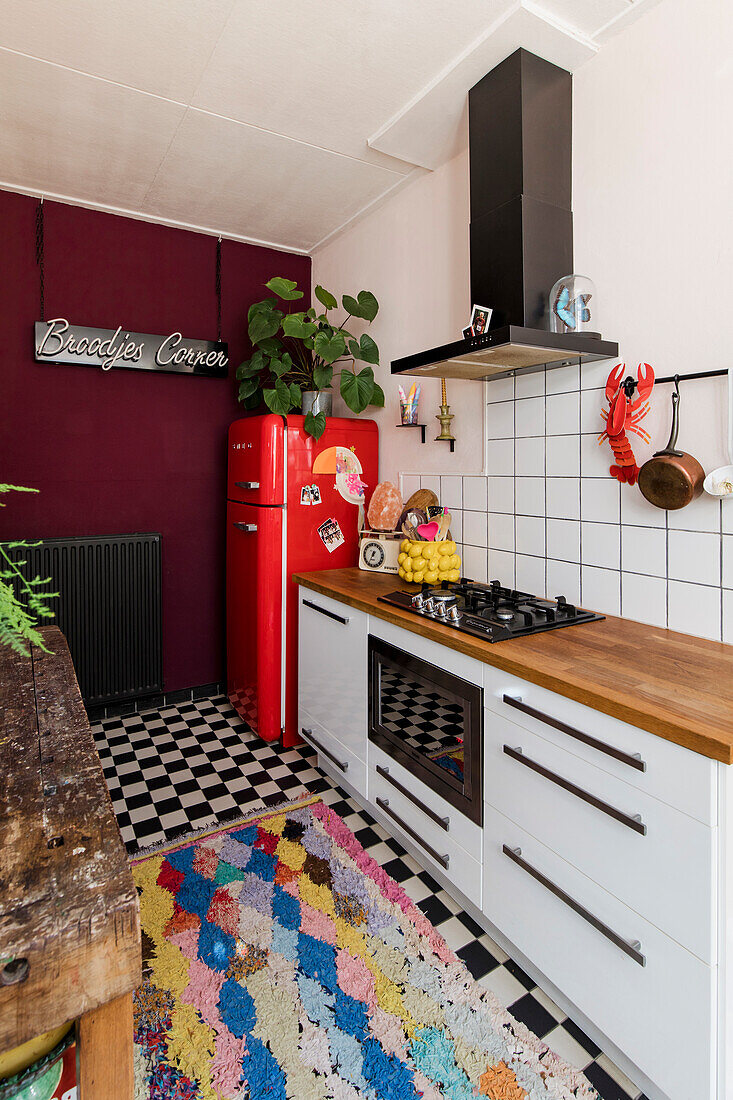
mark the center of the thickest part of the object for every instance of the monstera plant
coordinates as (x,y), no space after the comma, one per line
(300,350)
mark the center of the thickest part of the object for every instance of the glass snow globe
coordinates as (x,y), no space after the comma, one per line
(572,305)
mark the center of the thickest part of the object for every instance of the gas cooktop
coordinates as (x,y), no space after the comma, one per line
(490,611)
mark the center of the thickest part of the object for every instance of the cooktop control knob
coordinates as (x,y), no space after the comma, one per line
(429,605)
(418,601)
(440,611)
(454,614)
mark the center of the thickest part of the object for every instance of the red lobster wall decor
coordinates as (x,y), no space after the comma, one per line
(623,415)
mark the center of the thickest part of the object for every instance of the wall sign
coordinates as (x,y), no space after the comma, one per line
(56,341)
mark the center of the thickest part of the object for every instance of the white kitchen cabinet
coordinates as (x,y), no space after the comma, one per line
(332,669)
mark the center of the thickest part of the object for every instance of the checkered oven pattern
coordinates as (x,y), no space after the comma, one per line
(425,720)
(177,769)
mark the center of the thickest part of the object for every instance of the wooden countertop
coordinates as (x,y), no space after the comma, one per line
(674,685)
(68,903)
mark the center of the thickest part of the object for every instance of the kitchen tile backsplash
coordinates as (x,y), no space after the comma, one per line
(549,518)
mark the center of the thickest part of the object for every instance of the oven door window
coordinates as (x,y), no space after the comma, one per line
(428,720)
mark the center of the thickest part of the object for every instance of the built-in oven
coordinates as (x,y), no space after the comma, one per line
(430,721)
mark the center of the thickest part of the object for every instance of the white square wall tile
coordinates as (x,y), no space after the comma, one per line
(410,483)
(456,524)
(726,508)
(500,457)
(474,564)
(600,499)
(530,574)
(563,579)
(501,494)
(530,457)
(728,617)
(644,599)
(431,481)
(562,379)
(601,590)
(644,550)
(694,609)
(474,529)
(530,535)
(451,491)
(693,556)
(563,539)
(702,514)
(727,561)
(636,509)
(529,416)
(562,414)
(601,545)
(475,494)
(529,385)
(530,496)
(563,497)
(563,456)
(595,460)
(500,420)
(501,531)
(500,390)
(501,567)
(592,404)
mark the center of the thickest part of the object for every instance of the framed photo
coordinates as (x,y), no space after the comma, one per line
(480,317)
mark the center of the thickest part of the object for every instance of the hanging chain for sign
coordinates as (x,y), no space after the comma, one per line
(40,256)
(218,289)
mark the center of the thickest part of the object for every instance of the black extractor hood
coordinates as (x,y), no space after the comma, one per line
(520,119)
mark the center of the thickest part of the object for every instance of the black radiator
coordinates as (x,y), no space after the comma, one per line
(109,608)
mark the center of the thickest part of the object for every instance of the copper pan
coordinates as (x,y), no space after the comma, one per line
(670,478)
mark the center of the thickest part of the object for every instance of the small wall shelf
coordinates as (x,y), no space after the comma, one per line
(451,441)
(422,428)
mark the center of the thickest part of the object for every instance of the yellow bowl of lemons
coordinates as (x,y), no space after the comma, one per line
(428,562)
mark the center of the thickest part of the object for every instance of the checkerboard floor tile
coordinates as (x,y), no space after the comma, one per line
(174,770)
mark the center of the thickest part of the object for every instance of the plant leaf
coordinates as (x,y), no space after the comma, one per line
(365,305)
(248,387)
(357,389)
(287,289)
(265,306)
(322,377)
(264,324)
(329,345)
(295,395)
(271,345)
(377,396)
(253,401)
(325,297)
(281,366)
(278,398)
(366,350)
(315,425)
(294,324)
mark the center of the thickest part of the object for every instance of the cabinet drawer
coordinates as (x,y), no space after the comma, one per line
(332,668)
(437,848)
(657,860)
(661,1014)
(333,756)
(466,834)
(682,778)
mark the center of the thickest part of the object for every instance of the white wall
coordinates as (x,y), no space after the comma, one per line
(652,183)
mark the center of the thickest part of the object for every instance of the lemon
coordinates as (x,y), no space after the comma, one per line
(418,577)
(455,561)
(448,548)
(454,575)
(405,545)
(415,550)
(401,557)
(430,550)
(431,576)
(408,576)
(401,573)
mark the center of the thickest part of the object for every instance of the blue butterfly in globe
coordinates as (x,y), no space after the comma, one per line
(572,310)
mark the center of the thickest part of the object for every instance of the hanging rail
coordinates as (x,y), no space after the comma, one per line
(629,384)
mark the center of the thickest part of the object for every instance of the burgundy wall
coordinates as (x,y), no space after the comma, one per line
(125,450)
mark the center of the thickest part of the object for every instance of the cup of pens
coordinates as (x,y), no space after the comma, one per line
(408,405)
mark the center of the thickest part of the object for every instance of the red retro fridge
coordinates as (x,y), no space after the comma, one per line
(292,505)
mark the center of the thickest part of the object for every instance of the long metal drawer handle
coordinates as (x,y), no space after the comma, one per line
(444,822)
(331,614)
(247,484)
(245,526)
(307,735)
(632,948)
(630,821)
(632,760)
(383,804)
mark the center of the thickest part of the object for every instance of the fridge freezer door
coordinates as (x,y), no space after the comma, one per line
(254,616)
(256,466)
(305,549)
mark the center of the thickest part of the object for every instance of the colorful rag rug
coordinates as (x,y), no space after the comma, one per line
(280,960)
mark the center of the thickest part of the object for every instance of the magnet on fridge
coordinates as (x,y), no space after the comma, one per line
(331,535)
(345,464)
(305,495)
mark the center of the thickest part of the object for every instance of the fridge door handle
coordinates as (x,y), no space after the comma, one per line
(247,484)
(245,526)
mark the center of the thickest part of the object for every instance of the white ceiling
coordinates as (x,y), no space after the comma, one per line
(276,122)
